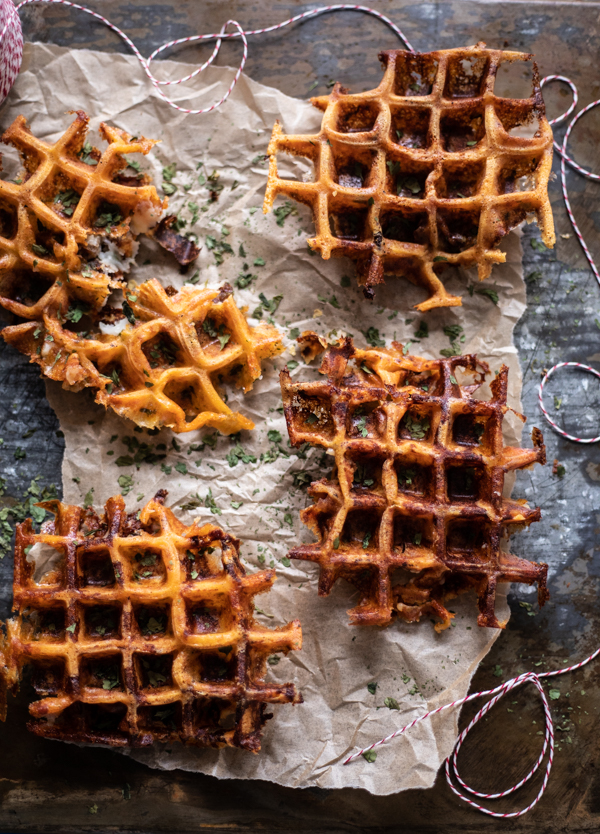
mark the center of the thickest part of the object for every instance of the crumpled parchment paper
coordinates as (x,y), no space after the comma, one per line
(257,501)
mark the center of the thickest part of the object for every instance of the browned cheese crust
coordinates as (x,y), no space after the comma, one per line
(423,171)
(67,225)
(67,193)
(142,631)
(165,369)
(414,512)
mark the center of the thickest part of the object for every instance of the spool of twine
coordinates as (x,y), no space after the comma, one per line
(11,46)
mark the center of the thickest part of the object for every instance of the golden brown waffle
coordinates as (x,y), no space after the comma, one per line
(68,223)
(139,629)
(423,171)
(414,512)
(165,368)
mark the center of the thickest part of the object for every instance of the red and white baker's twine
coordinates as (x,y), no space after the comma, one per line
(547,376)
(219,38)
(564,158)
(496,694)
(11,42)
(12,31)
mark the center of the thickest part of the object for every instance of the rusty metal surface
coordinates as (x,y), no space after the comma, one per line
(48,786)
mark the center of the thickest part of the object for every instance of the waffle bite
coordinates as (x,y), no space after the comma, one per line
(69,221)
(424,171)
(414,512)
(138,629)
(161,362)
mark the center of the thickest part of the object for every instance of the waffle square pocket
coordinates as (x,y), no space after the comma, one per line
(138,629)
(413,513)
(430,169)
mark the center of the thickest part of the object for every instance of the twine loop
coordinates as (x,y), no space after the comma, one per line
(549,419)
(465,791)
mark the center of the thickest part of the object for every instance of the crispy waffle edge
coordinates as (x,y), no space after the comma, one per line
(424,171)
(414,512)
(122,658)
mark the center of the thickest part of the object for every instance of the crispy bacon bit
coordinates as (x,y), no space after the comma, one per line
(184,250)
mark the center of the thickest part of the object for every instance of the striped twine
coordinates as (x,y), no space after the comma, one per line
(451,765)
(12,56)
(219,38)
(545,379)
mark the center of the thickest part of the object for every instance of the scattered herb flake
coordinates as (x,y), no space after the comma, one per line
(373,338)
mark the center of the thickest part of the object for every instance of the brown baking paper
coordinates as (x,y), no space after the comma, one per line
(303,745)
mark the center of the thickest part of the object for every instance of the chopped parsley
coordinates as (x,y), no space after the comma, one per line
(361,477)
(68,200)
(244,279)
(408,184)
(76,311)
(128,312)
(218,248)
(140,453)
(108,215)
(134,165)
(284,211)
(209,503)
(216,332)
(268,304)
(19,510)
(373,338)
(303,479)
(488,292)
(126,484)
(416,426)
(361,425)
(168,172)
(85,154)
(195,278)
(237,454)
(455,334)
(423,331)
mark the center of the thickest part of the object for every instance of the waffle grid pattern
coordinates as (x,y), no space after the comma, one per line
(166,368)
(423,171)
(66,193)
(414,513)
(128,650)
